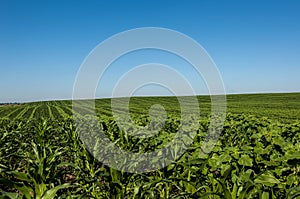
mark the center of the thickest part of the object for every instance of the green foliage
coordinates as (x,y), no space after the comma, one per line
(41,156)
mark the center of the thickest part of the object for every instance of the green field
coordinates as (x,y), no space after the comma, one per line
(283,107)
(256,156)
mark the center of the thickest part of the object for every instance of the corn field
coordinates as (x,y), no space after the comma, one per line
(41,156)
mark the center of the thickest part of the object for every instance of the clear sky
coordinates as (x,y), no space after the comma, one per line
(255,44)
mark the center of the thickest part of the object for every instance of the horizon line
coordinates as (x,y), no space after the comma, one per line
(99,98)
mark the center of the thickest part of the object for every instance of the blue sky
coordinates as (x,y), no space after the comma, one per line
(255,44)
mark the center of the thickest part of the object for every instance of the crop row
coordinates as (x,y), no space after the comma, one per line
(253,158)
